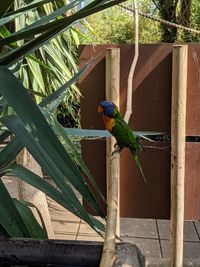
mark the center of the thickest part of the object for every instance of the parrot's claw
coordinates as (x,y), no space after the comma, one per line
(115,145)
(117,149)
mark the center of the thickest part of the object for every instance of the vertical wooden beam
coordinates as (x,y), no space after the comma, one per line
(112,94)
(178,123)
(112,161)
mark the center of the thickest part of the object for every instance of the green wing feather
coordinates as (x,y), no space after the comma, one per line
(137,161)
(123,134)
(126,138)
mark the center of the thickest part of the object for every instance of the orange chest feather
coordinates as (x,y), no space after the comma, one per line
(109,123)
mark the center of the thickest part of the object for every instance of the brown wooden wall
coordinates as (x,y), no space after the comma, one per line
(151,112)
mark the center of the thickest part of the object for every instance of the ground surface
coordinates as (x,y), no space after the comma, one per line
(151,236)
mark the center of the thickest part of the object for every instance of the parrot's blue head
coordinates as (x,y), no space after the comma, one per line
(108,108)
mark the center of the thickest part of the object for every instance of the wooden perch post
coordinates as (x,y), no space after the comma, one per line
(178,123)
(112,94)
(113,162)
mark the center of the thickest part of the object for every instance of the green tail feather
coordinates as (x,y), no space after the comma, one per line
(137,161)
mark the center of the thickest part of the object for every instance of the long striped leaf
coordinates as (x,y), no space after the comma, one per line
(4,6)
(51,33)
(65,201)
(40,26)
(52,16)
(32,5)
(8,19)
(3,102)
(56,97)
(59,130)
(31,205)
(34,228)
(87,132)
(3,135)
(104,133)
(10,218)
(4,32)
(9,152)
(38,77)
(38,127)
(45,161)
(36,181)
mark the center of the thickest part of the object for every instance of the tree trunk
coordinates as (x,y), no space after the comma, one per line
(33,195)
(185,18)
(167,10)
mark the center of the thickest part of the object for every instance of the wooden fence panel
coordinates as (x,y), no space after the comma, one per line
(151,112)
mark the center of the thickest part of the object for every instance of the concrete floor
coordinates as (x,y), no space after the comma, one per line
(151,236)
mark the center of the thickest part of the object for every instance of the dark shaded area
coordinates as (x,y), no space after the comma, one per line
(168,12)
(62,253)
(65,117)
(55,253)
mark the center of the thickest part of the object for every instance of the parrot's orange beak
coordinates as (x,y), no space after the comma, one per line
(100,109)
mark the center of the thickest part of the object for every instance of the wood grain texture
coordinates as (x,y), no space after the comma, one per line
(178,133)
(112,162)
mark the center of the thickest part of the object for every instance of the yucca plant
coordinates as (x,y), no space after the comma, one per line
(33,124)
(52,64)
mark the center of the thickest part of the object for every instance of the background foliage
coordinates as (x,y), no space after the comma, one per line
(120,27)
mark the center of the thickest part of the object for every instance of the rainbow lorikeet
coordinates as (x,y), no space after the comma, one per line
(116,125)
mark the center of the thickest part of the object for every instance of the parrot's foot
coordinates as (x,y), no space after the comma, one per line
(117,149)
(116,146)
